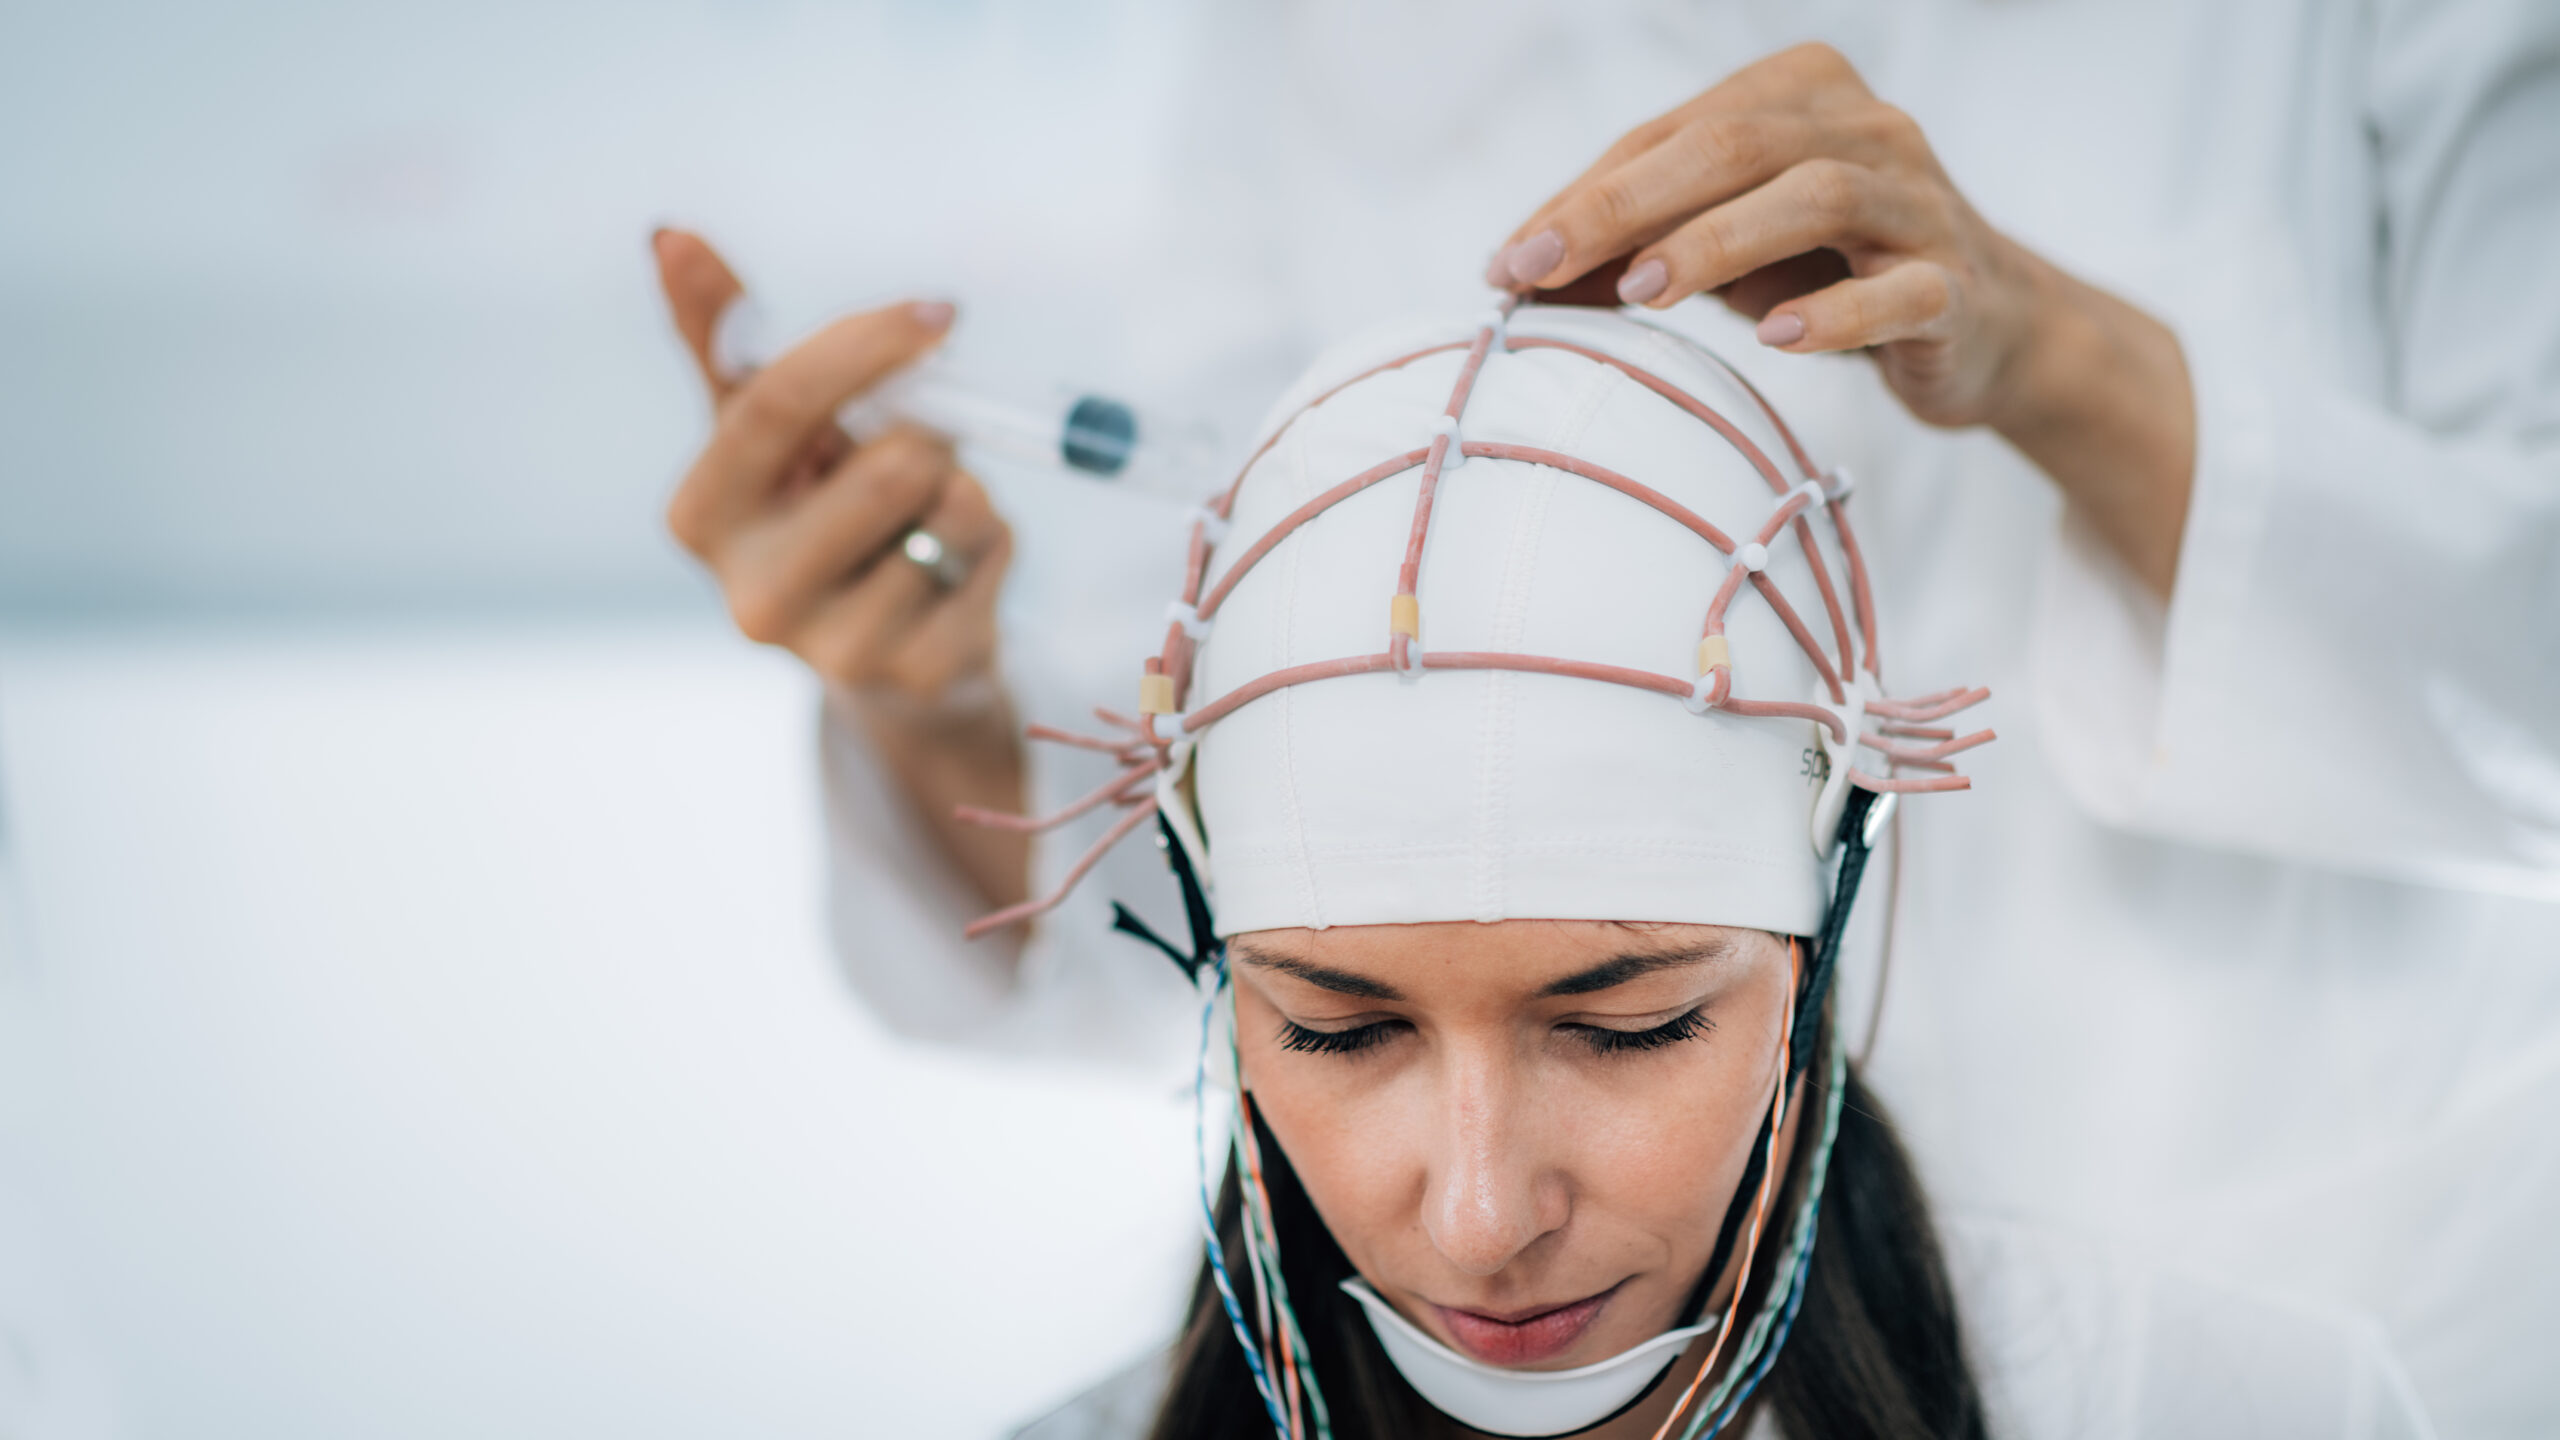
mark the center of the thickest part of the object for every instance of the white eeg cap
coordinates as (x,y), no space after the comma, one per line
(1486,794)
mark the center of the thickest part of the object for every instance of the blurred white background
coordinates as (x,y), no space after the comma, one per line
(414,1015)
(337,304)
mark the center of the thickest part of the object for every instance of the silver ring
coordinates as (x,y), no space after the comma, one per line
(928,552)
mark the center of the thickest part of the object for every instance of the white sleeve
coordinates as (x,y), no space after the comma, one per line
(2075,1339)
(1083,607)
(2361,663)
(1093,573)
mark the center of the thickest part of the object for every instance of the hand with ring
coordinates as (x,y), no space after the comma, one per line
(934,555)
(878,564)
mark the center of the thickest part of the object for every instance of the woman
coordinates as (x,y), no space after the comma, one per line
(1442,1218)
(1518,685)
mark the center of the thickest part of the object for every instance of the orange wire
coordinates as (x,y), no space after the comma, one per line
(1760,1207)
(1262,1205)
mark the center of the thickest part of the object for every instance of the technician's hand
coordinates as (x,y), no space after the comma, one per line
(804,532)
(1802,200)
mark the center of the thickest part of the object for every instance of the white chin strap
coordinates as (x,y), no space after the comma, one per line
(1519,1402)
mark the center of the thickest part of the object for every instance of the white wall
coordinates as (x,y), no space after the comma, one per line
(414,1014)
(349,304)
(431,1034)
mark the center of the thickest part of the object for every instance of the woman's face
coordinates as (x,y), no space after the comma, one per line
(1523,1134)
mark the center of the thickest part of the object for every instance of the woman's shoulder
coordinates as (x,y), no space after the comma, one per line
(1122,1407)
(2073,1336)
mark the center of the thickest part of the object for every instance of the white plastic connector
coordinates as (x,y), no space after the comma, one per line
(1213,526)
(1842,482)
(1839,757)
(1751,555)
(1454,456)
(1812,491)
(1173,799)
(1699,690)
(1878,815)
(1500,324)
(1188,617)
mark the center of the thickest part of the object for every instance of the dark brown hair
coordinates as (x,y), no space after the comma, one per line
(1875,1353)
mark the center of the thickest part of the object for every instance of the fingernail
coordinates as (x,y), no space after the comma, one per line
(932,314)
(1780,330)
(1643,282)
(1497,271)
(741,339)
(1536,256)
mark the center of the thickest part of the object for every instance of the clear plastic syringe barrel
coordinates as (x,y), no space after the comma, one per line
(1091,435)
(1084,434)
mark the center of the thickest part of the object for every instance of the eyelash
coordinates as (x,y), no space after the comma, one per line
(1294,1036)
(1687,1026)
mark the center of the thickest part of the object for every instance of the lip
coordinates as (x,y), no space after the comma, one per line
(1523,1337)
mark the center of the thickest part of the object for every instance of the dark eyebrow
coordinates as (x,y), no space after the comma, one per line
(1341,982)
(1607,975)
(1611,973)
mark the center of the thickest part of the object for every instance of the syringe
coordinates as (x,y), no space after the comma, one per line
(1091,435)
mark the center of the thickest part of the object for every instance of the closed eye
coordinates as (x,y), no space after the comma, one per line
(1294,1036)
(1605,1041)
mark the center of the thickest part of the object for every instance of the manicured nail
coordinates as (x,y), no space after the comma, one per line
(1779,330)
(1536,256)
(1643,282)
(741,339)
(1497,271)
(931,314)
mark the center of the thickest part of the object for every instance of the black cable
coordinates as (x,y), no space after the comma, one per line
(1835,924)
(1195,909)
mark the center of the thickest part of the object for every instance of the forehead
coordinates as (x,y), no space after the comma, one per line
(1521,959)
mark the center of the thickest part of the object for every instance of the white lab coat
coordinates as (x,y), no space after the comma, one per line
(2244,949)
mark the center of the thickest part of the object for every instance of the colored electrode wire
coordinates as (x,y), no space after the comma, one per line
(1293,1394)
(1211,987)
(1795,1264)
(1760,1204)
(1265,1254)
(1257,1250)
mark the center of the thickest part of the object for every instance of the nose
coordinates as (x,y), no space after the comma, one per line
(1493,1191)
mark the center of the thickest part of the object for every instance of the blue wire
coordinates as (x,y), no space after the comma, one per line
(1209,1212)
(1769,1357)
(1796,1283)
